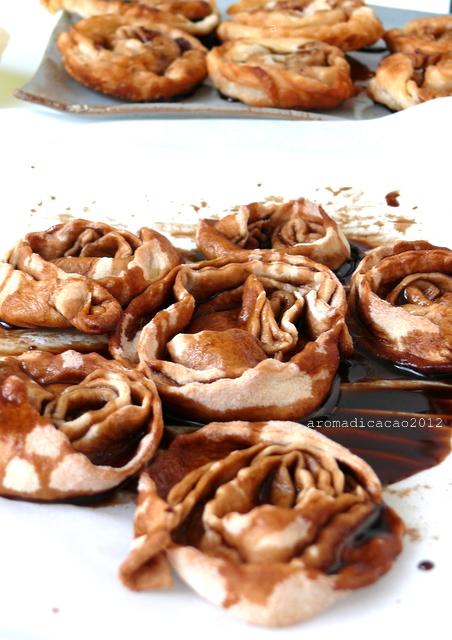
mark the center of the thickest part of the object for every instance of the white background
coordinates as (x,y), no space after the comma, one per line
(58,564)
(433,6)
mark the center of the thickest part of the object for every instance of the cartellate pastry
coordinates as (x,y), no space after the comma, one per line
(122,262)
(14,341)
(37,293)
(198,17)
(430,36)
(283,73)
(404,80)
(73,425)
(297,227)
(139,59)
(239,337)
(272,521)
(347,24)
(402,295)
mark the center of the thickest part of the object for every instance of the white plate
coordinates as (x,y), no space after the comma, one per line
(58,563)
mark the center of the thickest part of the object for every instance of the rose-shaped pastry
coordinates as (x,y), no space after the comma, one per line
(346,24)
(430,36)
(73,425)
(402,294)
(37,293)
(403,80)
(198,17)
(134,58)
(282,73)
(122,262)
(238,337)
(272,521)
(298,227)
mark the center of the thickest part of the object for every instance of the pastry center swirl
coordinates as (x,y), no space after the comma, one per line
(421,290)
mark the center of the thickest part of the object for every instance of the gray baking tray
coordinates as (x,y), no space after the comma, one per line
(52,87)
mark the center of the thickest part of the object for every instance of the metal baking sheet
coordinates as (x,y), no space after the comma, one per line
(52,87)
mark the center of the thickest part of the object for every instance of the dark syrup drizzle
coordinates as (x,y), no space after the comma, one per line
(358,70)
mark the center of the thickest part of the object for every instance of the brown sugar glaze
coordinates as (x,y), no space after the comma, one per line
(415,410)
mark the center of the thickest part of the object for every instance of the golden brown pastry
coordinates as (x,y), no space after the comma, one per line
(239,338)
(430,36)
(402,295)
(272,521)
(14,341)
(283,73)
(403,80)
(133,58)
(37,293)
(198,17)
(73,425)
(122,262)
(346,24)
(297,227)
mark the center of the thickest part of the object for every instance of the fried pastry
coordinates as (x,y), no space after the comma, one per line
(346,24)
(14,341)
(133,58)
(430,36)
(297,227)
(239,337)
(198,17)
(402,295)
(122,262)
(403,80)
(283,73)
(272,521)
(37,293)
(73,425)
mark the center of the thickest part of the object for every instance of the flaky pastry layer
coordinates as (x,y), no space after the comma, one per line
(272,521)
(402,294)
(138,59)
(240,337)
(346,24)
(73,425)
(297,227)
(404,80)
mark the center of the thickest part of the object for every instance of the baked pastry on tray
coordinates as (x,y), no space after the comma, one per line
(402,295)
(430,36)
(281,72)
(198,17)
(272,521)
(73,425)
(403,80)
(139,59)
(298,227)
(122,262)
(347,24)
(239,337)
